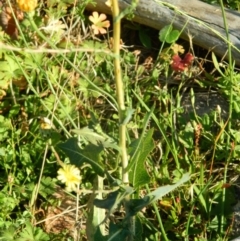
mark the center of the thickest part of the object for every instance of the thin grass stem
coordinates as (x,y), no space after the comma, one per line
(163,233)
(231,69)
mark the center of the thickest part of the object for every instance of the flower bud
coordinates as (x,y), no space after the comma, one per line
(27,5)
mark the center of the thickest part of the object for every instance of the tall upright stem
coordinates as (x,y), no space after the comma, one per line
(231,69)
(119,89)
(121,104)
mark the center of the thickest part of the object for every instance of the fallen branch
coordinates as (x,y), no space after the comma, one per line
(204,21)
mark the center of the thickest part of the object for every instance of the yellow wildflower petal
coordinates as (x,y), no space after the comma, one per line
(94,17)
(102,30)
(99,24)
(106,24)
(27,5)
(70,175)
(177,49)
(95,29)
(102,17)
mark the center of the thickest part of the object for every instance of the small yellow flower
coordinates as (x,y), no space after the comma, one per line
(70,175)
(177,49)
(27,5)
(99,24)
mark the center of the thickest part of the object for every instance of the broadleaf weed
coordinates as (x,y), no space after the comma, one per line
(75,100)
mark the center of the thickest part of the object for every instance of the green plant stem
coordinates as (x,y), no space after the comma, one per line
(231,69)
(164,235)
(119,89)
(121,104)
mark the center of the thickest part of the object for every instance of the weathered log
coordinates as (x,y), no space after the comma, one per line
(203,21)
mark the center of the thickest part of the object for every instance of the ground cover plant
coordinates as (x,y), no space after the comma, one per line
(95,140)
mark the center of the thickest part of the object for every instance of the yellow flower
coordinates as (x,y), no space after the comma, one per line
(99,24)
(177,49)
(27,5)
(70,175)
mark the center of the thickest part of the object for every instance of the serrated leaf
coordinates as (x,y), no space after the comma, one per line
(40,235)
(9,234)
(113,199)
(4,80)
(162,191)
(47,186)
(96,138)
(90,135)
(8,68)
(108,203)
(138,204)
(32,233)
(141,149)
(91,154)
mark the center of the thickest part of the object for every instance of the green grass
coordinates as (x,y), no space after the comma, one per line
(68,96)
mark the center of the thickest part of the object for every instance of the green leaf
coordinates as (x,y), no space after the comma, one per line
(172,37)
(31,233)
(47,186)
(5,124)
(40,235)
(97,139)
(145,38)
(164,32)
(138,228)
(128,116)
(162,191)
(9,234)
(117,232)
(108,203)
(167,34)
(98,236)
(203,201)
(140,151)
(186,136)
(11,63)
(7,204)
(14,110)
(113,199)
(236,106)
(138,204)
(33,63)
(216,64)
(91,154)
(4,81)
